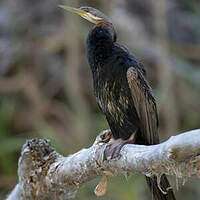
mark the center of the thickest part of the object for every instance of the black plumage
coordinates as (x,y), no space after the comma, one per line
(121,89)
(123,94)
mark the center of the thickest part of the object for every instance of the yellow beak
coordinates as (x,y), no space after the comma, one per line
(73,10)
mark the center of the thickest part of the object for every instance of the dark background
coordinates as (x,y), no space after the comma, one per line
(46,83)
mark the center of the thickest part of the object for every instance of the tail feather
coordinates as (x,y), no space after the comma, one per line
(164,184)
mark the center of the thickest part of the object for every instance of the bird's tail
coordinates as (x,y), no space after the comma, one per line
(164,184)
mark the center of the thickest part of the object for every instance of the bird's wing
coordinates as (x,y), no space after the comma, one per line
(145,105)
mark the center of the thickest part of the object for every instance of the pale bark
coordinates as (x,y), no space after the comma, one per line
(45,174)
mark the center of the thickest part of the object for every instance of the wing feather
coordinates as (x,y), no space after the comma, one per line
(145,105)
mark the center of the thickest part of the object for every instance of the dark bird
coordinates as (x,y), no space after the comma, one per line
(122,91)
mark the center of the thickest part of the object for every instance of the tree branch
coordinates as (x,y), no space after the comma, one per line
(43,173)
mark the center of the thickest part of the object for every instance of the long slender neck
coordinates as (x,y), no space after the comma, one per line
(102,33)
(99,44)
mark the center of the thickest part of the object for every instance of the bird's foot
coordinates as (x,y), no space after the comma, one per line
(112,150)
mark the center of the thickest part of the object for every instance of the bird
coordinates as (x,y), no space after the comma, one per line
(122,92)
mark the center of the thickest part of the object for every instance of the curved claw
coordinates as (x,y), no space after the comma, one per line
(113,150)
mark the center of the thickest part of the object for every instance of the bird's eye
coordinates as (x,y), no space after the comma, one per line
(84,9)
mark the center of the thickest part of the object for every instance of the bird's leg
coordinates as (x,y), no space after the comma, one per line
(112,150)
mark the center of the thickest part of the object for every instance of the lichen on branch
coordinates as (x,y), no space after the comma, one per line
(43,173)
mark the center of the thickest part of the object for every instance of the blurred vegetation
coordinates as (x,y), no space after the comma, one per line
(46,84)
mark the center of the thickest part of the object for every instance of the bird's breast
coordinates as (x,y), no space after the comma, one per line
(112,99)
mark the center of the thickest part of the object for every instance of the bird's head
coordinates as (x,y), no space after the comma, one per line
(91,14)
